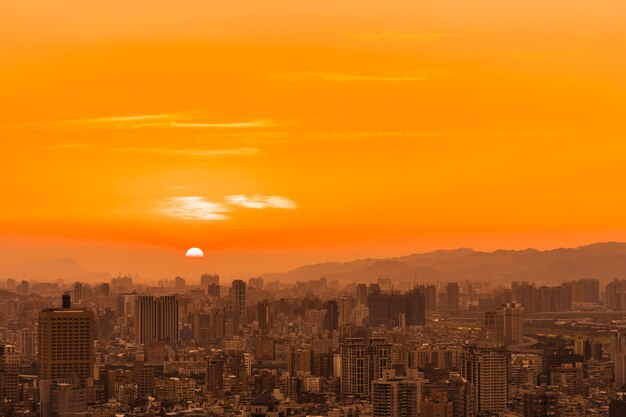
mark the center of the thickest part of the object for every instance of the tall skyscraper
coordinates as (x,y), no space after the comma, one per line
(9,370)
(264,318)
(346,306)
(66,344)
(486,368)
(452,297)
(157,319)
(331,319)
(361,294)
(238,296)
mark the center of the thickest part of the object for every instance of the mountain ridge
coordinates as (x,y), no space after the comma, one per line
(603,260)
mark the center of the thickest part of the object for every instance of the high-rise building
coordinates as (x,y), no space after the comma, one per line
(617,353)
(238,296)
(452,297)
(9,370)
(385,309)
(209,279)
(79,292)
(361,294)
(616,295)
(144,377)
(103,290)
(509,324)
(264,317)
(346,306)
(361,363)
(167,318)
(430,295)
(394,396)
(157,319)
(26,343)
(256,283)
(331,319)
(145,327)
(487,369)
(179,283)
(586,290)
(201,328)
(66,344)
(215,375)
(214,290)
(542,299)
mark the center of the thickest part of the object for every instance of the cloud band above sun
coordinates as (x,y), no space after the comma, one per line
(192,208)
(261,201)
(198,208)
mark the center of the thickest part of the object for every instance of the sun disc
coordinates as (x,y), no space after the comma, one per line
(194,253)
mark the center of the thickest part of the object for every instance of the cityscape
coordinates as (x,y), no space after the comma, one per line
(203,347)
(323,208)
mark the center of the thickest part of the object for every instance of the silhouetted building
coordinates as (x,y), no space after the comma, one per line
(361,294)
(452,297)
(264,317)
(331,319)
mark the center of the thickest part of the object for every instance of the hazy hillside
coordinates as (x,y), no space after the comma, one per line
(600,260)
(50,270)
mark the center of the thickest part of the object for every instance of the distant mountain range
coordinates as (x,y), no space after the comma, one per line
(51,270)
(605,261)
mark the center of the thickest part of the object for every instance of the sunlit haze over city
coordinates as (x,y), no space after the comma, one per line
(312,208)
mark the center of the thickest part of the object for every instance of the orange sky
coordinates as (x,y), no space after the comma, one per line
(305,131)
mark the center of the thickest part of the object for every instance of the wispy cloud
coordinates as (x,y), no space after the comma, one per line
(192,208)
(200,209)
(430,36)
(348,77)
(147,121)
(234,125)
(121,119)
(201,153)
(261,201)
